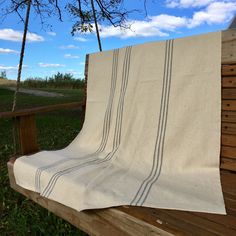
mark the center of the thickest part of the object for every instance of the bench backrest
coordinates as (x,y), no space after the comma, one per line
(228,72)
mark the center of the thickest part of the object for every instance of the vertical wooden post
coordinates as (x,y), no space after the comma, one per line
(27,134)
(228,72)
(85,80)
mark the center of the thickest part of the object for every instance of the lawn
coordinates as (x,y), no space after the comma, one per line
(19,216)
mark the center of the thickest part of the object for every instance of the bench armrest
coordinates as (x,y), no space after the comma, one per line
(38,110)
(26,126)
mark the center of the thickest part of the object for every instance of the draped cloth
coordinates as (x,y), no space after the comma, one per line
(151,135)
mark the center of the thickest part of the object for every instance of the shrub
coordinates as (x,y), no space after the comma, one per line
(58,80)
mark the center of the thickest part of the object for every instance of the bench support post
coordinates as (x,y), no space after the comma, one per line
(27,134)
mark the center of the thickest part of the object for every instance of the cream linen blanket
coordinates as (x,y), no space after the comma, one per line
(151,135)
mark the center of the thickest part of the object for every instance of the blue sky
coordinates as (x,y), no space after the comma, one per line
(51,50)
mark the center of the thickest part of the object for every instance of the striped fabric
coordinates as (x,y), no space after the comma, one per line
(151,135)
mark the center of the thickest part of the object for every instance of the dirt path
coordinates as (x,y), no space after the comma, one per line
(37,92)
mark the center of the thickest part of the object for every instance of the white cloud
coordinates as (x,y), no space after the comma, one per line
(153,26)
(46,65)
(2,67)
(16,36)
(168,22)
(71,56)
(80,39)
(51,33)
(70,46)
(138,29)
(188,3)
(8,51)
(8,67)
(215,13)
(162,25)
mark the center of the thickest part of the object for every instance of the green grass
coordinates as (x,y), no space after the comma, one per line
(27,101)
(18,215)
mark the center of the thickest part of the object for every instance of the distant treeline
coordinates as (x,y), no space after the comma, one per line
(58,80)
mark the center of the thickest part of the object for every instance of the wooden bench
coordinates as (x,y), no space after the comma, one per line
(127,220)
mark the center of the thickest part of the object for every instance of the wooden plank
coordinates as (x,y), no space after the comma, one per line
(229,93)
(228,140)
(204,224)
(188,222)
(230,206)
(228,128)
(228,164)
(95,222)
(229,195)
(225,220)
(228,116)
(228,46)
(164,219)
(27,134)
(229,82)
(43,109)
(86,79)
(228,180)
(146,214)
(228,152)
(228,105)
(228,70)
(127,222)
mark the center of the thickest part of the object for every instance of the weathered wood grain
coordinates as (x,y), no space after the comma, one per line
(229,152)
(27,134)
(228,140)
(228,128)
(228,105)
(229,93)
(228,164)
(229,70)
(229,82)
(229,46)
(225,220)
(228,116)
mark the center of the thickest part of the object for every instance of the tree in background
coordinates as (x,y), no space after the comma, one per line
(86,13)
(89,13)
(3,75)
(42,8)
